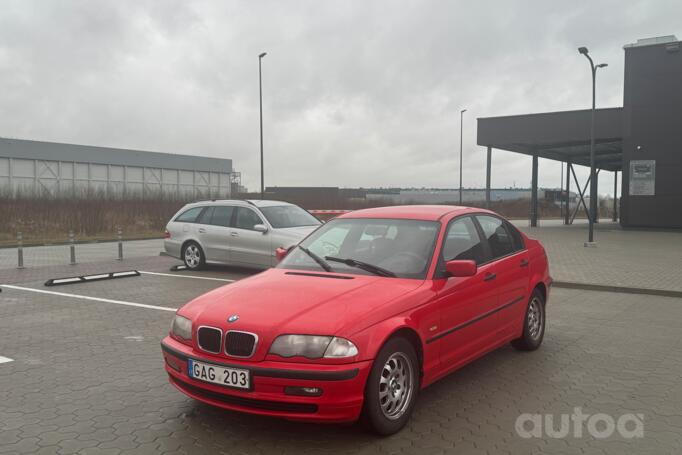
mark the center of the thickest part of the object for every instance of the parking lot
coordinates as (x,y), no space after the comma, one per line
(83,373)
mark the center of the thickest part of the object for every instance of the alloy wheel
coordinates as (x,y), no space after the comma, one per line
(192,256)
(396,386)
(535,319)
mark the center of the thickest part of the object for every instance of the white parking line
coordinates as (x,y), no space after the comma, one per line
(5,359)
(187,276)
(85,297)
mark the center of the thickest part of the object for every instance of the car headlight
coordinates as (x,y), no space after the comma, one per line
(313,346)
(181,327)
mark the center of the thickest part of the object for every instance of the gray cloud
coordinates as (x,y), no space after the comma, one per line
(356,93)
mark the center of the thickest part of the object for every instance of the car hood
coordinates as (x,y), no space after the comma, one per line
(297,232)
(280,301)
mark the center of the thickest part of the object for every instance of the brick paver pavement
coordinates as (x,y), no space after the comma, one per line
(149,263)
(631,258)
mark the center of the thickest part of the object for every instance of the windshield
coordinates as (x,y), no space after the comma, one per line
(286,216)
(401,247)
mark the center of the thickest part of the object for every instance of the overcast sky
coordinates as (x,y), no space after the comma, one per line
(356,93)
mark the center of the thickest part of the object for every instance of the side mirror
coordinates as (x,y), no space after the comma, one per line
(260,228)
(281,253)
(461,268)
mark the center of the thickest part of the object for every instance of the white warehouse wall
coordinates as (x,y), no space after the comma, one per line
(51,169)
(75,179)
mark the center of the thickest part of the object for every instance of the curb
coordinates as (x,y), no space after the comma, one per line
(610,288)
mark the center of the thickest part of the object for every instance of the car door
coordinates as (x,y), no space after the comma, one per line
(466,304)
(248,246)
(510,266)
(215,229)
(182,228)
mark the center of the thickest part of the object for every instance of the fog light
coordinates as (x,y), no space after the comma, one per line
(303,391)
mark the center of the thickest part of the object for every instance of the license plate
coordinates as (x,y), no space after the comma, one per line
(215,374)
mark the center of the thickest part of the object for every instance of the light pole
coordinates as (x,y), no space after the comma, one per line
(461,130)
(593,178)
(260,96)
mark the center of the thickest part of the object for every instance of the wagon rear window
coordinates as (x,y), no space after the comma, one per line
(189,216)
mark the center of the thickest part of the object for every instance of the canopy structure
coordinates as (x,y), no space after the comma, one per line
(560,136)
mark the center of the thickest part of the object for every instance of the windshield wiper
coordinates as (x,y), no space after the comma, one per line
(375,269)
(322,263)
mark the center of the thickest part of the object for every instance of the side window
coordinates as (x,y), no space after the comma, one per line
(516,236)
(189,216)
(205,217)
(463,242)
(499,239)
(246,218)
(222,215)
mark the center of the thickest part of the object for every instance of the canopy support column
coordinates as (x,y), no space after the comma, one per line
(488,167)
(567,215)
(534,194)
(596,205)
(615,196)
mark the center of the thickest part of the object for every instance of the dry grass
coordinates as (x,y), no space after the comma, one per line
(49,220)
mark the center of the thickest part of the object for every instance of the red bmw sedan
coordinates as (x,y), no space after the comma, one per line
(366,311)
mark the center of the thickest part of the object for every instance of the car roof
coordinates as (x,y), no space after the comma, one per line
(413,212)
(267,203)
(241,202)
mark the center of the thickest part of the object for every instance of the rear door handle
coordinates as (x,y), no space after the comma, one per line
(489,276)
(524,263)
(234,234)
(202,230)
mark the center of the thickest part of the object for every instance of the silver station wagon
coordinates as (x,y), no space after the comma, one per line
(235,232)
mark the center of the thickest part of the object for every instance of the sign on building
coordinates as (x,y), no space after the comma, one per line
(642,177)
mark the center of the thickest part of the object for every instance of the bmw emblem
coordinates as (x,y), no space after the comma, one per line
(233,318)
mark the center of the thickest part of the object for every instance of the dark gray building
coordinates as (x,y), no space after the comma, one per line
(52,169)
(652,135)
(643,139)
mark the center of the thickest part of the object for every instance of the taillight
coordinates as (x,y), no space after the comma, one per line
(166,234)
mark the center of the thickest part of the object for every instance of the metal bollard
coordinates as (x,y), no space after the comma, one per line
(72,247)
(119,233)
(20,250)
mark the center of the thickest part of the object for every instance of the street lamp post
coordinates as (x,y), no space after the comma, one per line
(260,96)
(461,130)
(593,177)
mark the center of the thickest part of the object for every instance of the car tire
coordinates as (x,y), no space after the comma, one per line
(193,256)
(533,324)
(392,388)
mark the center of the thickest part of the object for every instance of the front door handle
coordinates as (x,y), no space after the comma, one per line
(523,263)
(234,234)
(489,276)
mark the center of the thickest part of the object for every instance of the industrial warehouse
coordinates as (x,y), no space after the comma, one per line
(49,169)
(641,140)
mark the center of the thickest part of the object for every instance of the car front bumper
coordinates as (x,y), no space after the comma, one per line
(342,386)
